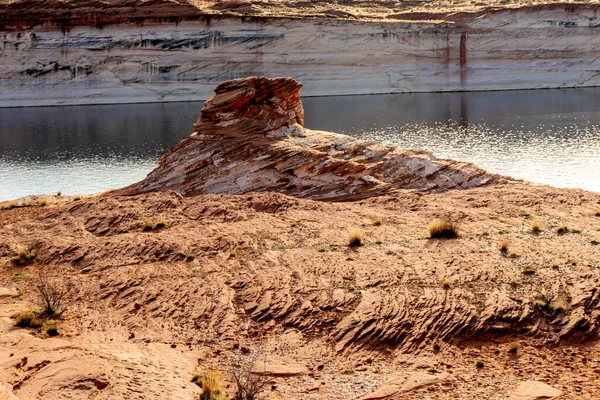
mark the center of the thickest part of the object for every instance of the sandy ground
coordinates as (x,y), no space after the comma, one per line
(272,274)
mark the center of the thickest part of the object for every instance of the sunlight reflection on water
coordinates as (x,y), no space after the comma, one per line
(544,136)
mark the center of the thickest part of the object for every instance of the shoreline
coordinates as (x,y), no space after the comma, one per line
(60,102)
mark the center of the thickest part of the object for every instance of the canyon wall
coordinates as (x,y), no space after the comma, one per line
(542,47)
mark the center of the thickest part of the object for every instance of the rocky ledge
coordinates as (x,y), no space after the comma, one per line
(250,137)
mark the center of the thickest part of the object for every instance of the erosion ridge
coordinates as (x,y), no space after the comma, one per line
(250,137)
(222,254)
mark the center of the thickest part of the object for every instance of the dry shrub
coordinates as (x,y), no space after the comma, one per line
(50,327)
(147,225)
(504,245)
(513,348)
(24,319)
(446,283)
(562,229)
(536,227)
(9,205)
(597,213)
(528,271)
(24,256)
(211,383)
(247,384)
(52,292)
(355,238)
(444,229)
(559,305)
(377,222)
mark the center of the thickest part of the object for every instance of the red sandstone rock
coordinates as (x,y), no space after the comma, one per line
(250,138)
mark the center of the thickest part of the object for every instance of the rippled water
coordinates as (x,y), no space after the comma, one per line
(547,136)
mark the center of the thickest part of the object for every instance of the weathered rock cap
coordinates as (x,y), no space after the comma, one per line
(251,105)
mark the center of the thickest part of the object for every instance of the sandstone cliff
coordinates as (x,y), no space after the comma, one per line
(173,51)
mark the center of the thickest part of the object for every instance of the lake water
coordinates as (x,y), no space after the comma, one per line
(544,136)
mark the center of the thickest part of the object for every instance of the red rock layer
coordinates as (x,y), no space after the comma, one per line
(250,138)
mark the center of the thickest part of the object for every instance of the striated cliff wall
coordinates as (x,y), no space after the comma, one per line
(535,47)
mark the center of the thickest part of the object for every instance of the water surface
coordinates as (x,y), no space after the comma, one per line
(544,136)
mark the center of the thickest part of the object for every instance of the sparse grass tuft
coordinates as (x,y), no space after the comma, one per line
(24,319)
(562,229)
(17,277)
(211,383)
(377,222)
(355,238)
(9,205)
(536,227)
(528,271)
(443,229)
(514,254)
(147,226)
(161,223)
(559,305)
(446,283)
(36,323)
(504,245)
(24,256)
(50,327)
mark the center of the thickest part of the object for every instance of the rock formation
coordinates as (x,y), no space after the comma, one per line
(86,52)
(250,138)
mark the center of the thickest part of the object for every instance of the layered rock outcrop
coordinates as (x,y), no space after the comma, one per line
(174,51)
(250,138)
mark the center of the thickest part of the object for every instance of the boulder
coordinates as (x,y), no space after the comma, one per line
(279,369)
(399,384)
(534,390)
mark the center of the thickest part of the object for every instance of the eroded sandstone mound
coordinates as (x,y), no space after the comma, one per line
(250,137)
